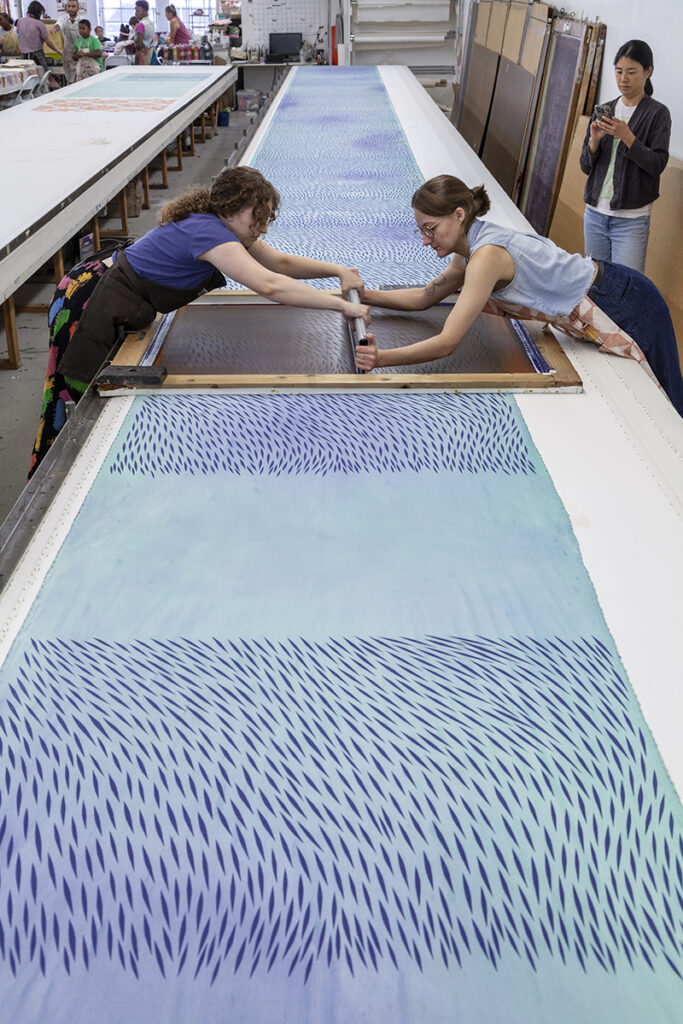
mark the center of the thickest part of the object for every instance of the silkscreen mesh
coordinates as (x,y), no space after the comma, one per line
(252,339)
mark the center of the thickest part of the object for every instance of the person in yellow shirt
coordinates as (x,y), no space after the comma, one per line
(9,44)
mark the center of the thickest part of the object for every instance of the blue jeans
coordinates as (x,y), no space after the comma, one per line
(616,239)
(632,301)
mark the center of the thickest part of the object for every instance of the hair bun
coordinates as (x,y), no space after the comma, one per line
(481,201)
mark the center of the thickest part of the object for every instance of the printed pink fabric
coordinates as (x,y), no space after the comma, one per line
(586,321)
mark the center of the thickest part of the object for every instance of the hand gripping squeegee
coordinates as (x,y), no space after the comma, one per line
(357,332)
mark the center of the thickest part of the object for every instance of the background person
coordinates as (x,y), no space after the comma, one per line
(511,273)
(9,44)
(68,26)
(624,155)
(178,33)
(144,34)
(126,41)
(203,235)
(32,34)
(87,52)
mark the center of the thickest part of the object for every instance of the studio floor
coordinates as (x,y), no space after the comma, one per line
(21,390)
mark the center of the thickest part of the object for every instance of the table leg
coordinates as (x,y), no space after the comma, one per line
(124,217)
(164,173)
(124,212)
(179,154)
(42,307)
(13,362)
(58,264)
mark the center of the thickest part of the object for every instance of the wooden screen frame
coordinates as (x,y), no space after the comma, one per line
(563,376)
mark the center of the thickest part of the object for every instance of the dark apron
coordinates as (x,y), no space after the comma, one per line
(122,301)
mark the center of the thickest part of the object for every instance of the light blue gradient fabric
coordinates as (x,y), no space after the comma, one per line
(329,725)
(167,84)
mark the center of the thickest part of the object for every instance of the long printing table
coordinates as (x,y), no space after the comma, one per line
(350,706)
(73,150)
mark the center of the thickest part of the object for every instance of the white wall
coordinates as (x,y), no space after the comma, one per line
(86,9)
(660,24)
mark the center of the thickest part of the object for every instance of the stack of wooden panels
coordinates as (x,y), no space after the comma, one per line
(567,82)
(487,29)
(529,74)
(525,45)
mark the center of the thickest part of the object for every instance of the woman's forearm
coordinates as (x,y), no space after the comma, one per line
(263,274)
(291,292)
(652,161)
(485,268)
(295,266)
(420,352)
(400,298)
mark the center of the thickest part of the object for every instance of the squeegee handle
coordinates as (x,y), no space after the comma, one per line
(358,324)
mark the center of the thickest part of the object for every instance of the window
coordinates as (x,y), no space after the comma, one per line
(112,15)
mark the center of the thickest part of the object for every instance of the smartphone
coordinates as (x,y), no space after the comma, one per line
(602,110)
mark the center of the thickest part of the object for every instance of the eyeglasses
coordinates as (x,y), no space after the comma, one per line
(427,233)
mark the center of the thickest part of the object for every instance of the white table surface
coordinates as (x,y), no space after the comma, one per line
(70,162)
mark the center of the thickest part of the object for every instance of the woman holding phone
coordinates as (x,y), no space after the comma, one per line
(625,150)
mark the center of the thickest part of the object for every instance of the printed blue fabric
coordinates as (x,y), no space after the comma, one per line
(324,758)
(354,208)
(328,726)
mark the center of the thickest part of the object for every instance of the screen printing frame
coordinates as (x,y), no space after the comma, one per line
(139,350)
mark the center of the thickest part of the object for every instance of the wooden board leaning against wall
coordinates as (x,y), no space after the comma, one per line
(516,92)
(529,72)
(663,262)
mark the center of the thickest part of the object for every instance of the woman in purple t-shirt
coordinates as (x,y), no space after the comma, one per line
(204,236)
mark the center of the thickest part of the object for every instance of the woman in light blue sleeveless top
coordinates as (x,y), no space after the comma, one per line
(524,271)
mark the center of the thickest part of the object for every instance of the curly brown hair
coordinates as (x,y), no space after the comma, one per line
(235,189)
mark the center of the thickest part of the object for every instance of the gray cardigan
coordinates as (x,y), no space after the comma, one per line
(636,170)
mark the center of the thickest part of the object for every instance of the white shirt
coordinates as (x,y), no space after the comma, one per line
(69,30)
